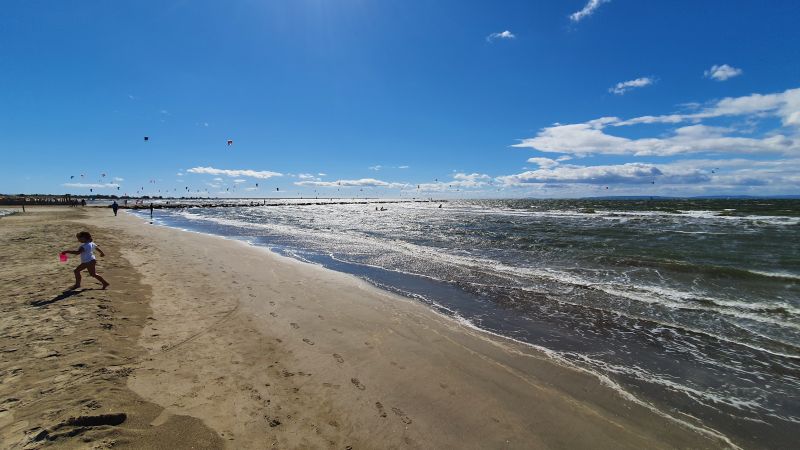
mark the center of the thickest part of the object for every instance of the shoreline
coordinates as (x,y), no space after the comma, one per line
(264,348)
(448,315)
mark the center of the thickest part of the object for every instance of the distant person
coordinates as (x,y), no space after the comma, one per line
(151,211)
(83,202)
(88,260)
(114,207)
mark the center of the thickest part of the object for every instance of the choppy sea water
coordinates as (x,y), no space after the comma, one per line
(690,306)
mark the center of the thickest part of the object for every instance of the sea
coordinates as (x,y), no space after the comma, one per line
(689,307)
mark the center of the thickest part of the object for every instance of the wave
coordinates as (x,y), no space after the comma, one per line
(772,313)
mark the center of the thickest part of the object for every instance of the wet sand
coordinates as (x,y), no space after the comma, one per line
(203,342)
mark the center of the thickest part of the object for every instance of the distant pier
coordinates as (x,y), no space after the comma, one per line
(265,202)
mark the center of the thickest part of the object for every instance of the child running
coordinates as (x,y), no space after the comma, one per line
(88,261)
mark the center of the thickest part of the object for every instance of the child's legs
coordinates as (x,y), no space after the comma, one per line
(77,272)
(92,266)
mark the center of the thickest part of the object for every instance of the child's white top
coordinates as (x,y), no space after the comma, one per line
(87,255)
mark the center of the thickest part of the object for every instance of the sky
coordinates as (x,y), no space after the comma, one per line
(400,98)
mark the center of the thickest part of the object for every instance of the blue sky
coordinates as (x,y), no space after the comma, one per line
(413,98)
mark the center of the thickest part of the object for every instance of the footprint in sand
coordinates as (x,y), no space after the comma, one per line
(357,384)
(406,420)
(381,411)
(294,325)
(308,341)
(273,314)
(338,358)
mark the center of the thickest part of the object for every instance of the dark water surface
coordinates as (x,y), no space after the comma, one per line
(691,306)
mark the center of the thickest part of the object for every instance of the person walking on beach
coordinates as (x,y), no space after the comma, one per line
(88,260)
(114,207)
(151,211)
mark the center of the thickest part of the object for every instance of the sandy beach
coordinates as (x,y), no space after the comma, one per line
(203,342)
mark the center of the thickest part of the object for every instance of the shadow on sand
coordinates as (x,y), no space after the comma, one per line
(62,296)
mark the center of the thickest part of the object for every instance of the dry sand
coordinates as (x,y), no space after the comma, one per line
(203,342)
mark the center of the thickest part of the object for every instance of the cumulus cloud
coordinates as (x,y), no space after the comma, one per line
(363,182)
(722,73)
(682,177)
(503,35)
(544,163)
(459,181)
(262,174)
(378,167)
(592,137)
(632,172)
(588,9)
(473,178)
(784,105)
(624,86)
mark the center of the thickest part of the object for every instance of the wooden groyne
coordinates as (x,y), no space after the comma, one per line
(315,202)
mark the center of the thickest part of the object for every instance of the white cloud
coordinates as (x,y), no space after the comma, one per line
(118,179)
(262,174)
(91,185)
(501,35)
(785,105)
(460,180)
(544,163)
(722,73)
(363,182)
(589,9)
(322,174)
(180,174)
(582,139)
(624,86)
(306,176)
(378,167)
(239,180)
(471,177)
(682,177)
(629,173)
